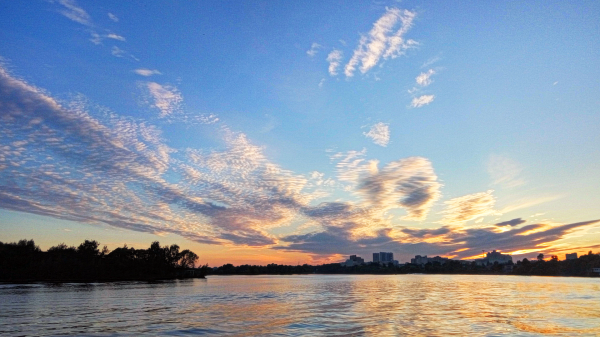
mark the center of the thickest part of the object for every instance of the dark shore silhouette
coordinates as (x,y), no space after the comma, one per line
(581,266)
(23,261)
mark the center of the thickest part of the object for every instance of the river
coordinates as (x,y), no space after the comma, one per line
(308,305)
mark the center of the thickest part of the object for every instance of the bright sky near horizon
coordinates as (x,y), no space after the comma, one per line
(301,132)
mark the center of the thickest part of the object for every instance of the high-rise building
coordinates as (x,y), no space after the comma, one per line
(572,256)
(353,261)
(494,256)
(389,257)
(383,257)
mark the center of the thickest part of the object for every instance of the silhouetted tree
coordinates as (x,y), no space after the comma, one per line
(25,261)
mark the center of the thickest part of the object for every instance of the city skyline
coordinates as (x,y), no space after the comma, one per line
(292,132)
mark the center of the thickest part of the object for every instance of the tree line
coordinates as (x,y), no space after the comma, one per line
(25,261)
(577,267)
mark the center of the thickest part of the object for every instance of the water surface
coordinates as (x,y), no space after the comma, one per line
(315,305)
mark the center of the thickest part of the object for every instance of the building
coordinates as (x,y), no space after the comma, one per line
(353,261)
(572,256)
(383,257)
(493,257)
(422,260)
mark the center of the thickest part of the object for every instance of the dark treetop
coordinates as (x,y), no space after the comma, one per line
(23,261)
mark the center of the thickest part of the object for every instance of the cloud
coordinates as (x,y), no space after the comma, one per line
(383,41)
(334,58)
(512,223)
(379,133)
(115,37)
(166,98)
(431,61)
(469,207)
(74,12)
(445,241)
(424,79)
(528,202)
(79,162)
(97,39)
(113,17)
(420,101)
(118,52)
(74,163)
(424,233)
(314,49)
(409,183)
(147,72)
(504,171)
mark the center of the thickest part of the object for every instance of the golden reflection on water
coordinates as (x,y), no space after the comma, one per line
(315,305)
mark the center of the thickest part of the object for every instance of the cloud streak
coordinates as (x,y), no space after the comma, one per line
(504,171)
(384,41)
(166,98)
(68,162)
(469,207)
(334,58)
(147,72)
(379,133)
(75,13)
(314,49)
(424,79)
(420,101)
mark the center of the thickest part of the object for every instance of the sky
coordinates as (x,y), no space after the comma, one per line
(302,132)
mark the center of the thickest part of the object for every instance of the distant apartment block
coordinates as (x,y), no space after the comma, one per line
(422,260)
(383,257)
(572,256)
(493,257)
(353,261)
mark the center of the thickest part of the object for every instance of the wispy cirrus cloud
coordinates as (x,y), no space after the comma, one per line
(469,207)
(113,17)
(420,101)
(379,133)
(97,38)
(166,98)
(68,162)
(334,58)
(117,52)
(385,40)
(431,61)
(75,13)
(314,49)
(504,171)
(147,72)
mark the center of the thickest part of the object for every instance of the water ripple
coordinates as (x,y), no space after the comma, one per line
(315,305)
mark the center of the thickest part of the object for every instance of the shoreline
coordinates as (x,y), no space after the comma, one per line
(80,281)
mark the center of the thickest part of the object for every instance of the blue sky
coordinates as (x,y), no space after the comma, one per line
(257,132)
